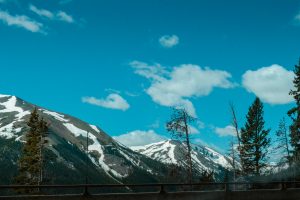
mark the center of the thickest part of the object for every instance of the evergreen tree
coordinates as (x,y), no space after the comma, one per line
(179,128)
(294,113)
(282,146)
(43,133)
(30,162)
(254,140)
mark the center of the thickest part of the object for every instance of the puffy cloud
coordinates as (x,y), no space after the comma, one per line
(139,138)
(60,15)
(169,41)
(113,101)
(21,21)
(226,131)
(176,86)
(271,84)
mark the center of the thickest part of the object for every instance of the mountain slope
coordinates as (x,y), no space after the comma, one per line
(174,152)
(109,161)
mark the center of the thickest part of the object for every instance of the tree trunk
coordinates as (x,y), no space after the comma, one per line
(189,149)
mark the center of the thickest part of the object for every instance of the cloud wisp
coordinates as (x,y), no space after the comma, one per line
(175,87)
(21,21)
(59,15)
(112,101)
(139,138)
(169,41)
(271,84)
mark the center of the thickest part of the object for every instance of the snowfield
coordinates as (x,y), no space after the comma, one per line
(9,131)
(172,152)
(96,146)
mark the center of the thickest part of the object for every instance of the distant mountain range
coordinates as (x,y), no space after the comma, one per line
(108,160)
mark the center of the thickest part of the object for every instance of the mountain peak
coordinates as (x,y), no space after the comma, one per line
(68,138)
(174,152)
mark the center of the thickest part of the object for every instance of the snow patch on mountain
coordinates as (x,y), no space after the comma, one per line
(95,128)
(96,146)
(161,151)
(196,161)
(76,131)
(8,131)
(55,115)
(10,106)
(219,159)
(4,95)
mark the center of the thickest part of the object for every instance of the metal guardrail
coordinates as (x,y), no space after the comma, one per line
(223,186)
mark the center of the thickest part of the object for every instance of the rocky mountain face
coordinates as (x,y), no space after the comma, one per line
(107,161)
(65,155)
(174,152)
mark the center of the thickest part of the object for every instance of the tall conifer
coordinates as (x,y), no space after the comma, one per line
(294,113)
(30,162)
(254,140)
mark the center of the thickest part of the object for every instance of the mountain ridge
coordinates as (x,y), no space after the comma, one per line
(108,160)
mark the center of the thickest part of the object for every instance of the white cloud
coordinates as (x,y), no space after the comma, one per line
(271,84)
(113,101)
(139,138)
(65,17)
(59,15)
(176,86)
(21,21)
(41,12)
(169,41)
(226,131)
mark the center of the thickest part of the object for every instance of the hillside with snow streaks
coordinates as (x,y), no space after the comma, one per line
(160,151)
(110,161)
(55,115)
(174,152)
(9,108)
(95,146)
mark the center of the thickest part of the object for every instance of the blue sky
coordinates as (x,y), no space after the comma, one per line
(122,64)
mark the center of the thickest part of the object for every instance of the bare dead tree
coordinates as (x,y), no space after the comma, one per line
(234,123)
(178,126)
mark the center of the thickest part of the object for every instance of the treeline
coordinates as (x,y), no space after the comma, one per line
(250,154)
(254,148)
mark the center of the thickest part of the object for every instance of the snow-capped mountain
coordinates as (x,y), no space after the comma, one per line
(174,152)
(109,161)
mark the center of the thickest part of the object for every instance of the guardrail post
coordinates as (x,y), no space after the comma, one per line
(283,186)
(227,189)
(162,189)
(86,192)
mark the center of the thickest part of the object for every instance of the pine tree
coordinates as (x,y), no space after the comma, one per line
(179,128)
(30,162)
(43,133)
(282,146)
(294,113)
(254,140)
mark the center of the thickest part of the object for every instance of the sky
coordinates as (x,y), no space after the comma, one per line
(122,65)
